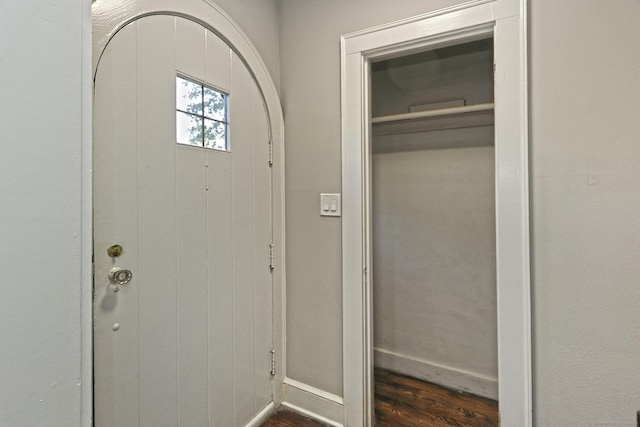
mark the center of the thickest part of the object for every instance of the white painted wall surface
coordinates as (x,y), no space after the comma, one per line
(43,61)
(585,157)
(434,277)
(463,72)
(259,19)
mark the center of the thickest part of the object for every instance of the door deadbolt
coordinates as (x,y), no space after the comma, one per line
(114,251)
(120,276)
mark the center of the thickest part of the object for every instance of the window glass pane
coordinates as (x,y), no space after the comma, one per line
(188,96)
(214,105)
(215,135)
(188,129)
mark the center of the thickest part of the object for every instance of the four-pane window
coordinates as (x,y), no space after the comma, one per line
(201,115)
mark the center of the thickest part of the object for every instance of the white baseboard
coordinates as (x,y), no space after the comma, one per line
(446,376)
(325,407)
(262,416)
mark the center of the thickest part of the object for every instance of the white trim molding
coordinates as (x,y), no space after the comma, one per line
(86,230)
(311,415)
(313,402)
(262,416)
(109,17)
(505,21)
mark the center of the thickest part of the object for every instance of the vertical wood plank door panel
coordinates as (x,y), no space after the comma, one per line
(187,342)
(157,311)
(116,223)
(191,219)
(242,205)
(193,292)
(220,275)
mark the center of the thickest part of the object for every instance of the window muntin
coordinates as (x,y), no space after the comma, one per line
(201,115)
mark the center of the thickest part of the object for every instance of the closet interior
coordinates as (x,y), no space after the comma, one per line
(433,218)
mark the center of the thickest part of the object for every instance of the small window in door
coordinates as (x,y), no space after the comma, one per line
(201,115)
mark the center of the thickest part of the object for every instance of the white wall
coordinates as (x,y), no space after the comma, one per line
(434,275)
(585,167)
(42,55)
(259,20)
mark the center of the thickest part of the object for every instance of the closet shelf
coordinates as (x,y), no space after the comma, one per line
(432,120)
(433,113)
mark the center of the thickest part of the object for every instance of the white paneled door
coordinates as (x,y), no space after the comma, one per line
(187,342)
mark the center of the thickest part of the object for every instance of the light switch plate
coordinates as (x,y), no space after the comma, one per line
(330,204)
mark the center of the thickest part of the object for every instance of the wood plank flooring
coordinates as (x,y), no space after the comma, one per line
(286,418)
(406,402)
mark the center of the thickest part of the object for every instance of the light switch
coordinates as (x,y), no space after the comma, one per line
(330,204)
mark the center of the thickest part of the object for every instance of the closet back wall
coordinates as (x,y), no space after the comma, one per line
(434,274)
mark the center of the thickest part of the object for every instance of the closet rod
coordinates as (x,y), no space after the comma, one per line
(433,113)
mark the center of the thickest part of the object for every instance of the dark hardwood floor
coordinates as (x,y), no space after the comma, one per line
(406,402)
(286,418)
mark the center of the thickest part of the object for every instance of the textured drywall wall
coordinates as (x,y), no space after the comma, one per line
(41,59)
(585,168)
(434,256)
(310,33)
(259,20)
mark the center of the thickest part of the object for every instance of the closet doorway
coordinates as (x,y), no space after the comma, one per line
(504,22)
(433,237)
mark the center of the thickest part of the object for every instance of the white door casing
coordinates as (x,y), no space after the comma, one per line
(187,201)
(505,20)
